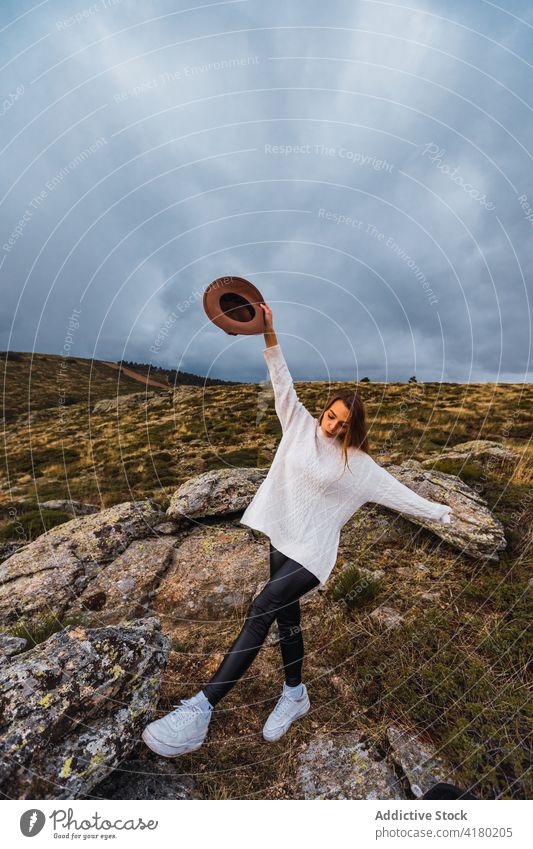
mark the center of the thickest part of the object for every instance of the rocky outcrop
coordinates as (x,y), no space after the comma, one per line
(145,778)
(74,707)
(77,508)
(183,391)
(481,450)
(100,569)
(121,403)
(473,528)
(215,493)
(123,589)
(167,528)
(344,766)
(47,575)
(213,576)
(418,761)
(9,646)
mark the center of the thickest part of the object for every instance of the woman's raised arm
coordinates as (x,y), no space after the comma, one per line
(288,406)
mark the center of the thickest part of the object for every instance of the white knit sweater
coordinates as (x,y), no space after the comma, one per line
(306,498)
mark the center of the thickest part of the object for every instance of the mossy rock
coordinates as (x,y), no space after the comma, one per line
(468,471)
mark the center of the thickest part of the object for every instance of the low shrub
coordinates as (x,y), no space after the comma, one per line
(354,589)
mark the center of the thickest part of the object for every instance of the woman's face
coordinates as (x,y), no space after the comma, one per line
(335,420)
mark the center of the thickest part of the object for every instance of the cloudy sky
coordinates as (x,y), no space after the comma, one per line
(366,164)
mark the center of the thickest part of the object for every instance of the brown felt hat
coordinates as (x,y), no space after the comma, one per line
(232,304)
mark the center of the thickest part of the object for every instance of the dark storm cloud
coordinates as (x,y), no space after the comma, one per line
(365,165)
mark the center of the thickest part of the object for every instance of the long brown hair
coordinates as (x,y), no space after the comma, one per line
(356,433)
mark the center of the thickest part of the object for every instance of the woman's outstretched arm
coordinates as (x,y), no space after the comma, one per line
(385,489)
(288,406)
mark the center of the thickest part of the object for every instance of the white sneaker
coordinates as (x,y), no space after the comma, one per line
(286,711)
(178,732)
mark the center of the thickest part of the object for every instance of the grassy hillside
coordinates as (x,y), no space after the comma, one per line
(457,671)
(67,451)
(33,382)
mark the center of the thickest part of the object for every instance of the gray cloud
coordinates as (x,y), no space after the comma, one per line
(182,186)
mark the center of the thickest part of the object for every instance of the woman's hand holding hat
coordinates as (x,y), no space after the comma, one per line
(269,326)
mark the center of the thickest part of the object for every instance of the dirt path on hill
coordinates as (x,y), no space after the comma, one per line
(136,376)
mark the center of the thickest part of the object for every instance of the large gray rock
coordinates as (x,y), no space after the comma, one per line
(123,588)
(47,575)
(473,529)
(342,766)
(215,493)
(418,760)
(77,508)
(74,707)
(213,576)
(10,646)
(481,450)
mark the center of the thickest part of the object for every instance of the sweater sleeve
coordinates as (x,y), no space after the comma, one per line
(387,490)
(288,407)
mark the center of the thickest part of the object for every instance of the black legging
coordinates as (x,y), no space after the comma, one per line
(277,600)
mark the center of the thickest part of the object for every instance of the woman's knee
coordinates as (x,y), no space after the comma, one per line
(263,608)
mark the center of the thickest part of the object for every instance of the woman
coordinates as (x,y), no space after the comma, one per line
(321,474)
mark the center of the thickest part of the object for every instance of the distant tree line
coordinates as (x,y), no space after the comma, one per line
(12,356)
(175,377)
